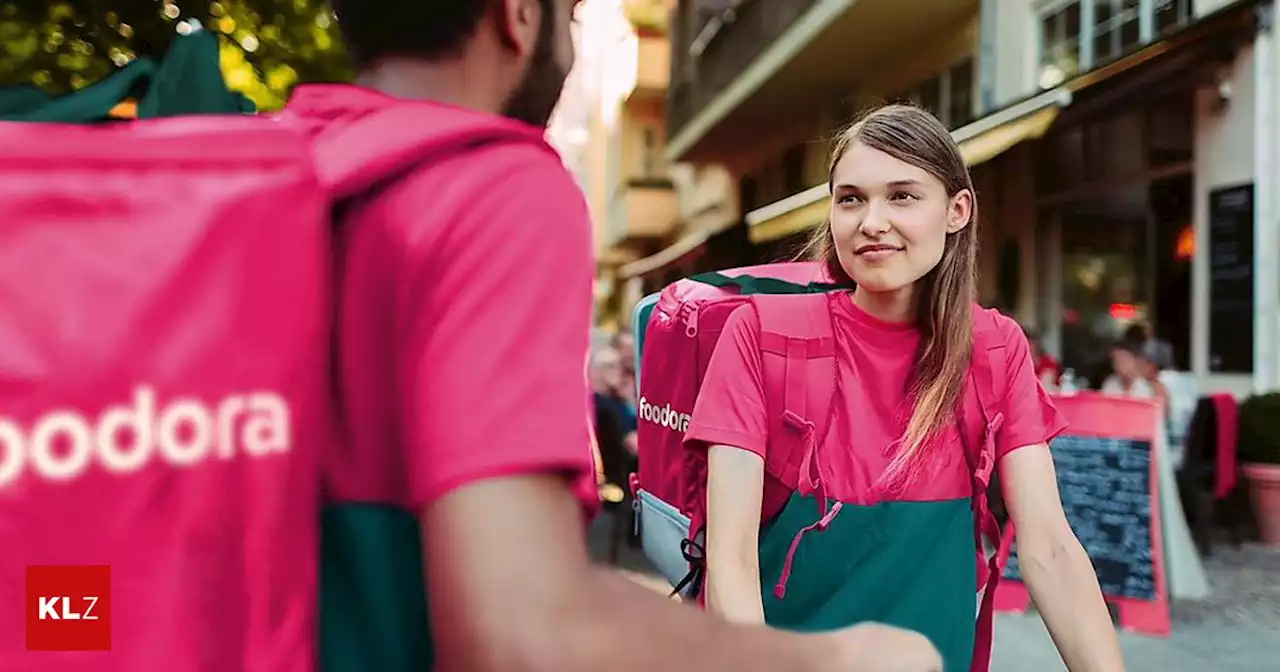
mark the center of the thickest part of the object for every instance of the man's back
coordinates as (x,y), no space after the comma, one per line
(464,298)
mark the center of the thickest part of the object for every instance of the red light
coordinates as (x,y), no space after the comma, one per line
(1123,312)
(1185,248)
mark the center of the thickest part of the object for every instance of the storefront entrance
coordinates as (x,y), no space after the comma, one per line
(1116,242)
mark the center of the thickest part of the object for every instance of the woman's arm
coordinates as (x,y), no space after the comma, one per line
(1054,564)
(735,486)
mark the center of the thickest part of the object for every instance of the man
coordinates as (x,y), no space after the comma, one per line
(608,380)
(464,321)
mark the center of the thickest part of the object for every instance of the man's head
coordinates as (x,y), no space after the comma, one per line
(625,344)
(1126,359)
(606,370)
(510,55)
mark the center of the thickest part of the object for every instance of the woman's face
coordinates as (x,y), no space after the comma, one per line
(1124,363)
(890,219)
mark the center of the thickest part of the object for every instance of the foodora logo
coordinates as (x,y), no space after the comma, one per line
(63,444)
(663,416)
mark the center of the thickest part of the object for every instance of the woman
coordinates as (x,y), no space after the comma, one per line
(901,549)
(1136,368)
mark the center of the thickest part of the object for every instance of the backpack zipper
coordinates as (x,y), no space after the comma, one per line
(689,313)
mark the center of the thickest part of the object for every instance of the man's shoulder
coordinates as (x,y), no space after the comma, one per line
(487,178)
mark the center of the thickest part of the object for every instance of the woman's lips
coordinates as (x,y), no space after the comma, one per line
(876,252)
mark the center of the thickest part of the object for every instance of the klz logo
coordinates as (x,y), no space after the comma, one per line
(49,609)
(68,608)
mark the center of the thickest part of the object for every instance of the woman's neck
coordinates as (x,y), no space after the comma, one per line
(893,306)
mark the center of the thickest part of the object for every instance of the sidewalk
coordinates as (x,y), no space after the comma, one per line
(1236,630)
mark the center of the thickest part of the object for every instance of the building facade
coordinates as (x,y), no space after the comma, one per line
(1124,153)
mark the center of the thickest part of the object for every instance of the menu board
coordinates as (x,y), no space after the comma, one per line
(1105,484)
(1231,279)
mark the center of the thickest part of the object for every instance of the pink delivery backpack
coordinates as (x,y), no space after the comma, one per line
(166,296)
(679,329)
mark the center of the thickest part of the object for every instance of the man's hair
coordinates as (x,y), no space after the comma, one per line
(428,29)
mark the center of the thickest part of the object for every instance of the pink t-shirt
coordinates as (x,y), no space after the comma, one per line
(464,321)
(874,361)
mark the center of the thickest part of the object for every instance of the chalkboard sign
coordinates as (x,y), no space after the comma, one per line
(1231,279)
(1105,485)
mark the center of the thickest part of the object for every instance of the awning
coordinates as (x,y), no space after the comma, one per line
(613,257)
(986,146)
(979,141)
(793,214)
(685,245)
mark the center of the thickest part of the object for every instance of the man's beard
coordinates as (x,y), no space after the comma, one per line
(536,97)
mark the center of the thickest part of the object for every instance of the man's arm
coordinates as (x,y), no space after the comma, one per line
(512,589)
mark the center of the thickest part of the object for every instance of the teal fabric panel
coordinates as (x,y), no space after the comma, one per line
(907,564)
(373,608)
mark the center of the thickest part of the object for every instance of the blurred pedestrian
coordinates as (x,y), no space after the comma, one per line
(625,344)
(607,379)
(1136,366)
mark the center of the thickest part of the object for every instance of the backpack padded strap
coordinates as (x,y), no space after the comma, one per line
(354,157)
(991,384)
(797,327)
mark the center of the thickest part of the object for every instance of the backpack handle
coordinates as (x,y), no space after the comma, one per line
(353,158)
(749,284)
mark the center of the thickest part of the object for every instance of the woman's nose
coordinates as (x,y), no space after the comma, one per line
(876,221)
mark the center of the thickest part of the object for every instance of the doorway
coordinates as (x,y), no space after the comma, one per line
(1125,259)
(1171,212)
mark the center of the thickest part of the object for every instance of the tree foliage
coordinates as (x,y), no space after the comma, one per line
(268,46)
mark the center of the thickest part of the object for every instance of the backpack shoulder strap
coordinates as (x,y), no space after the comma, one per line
(801,391)
(990,351)
(353,157)
(991,384)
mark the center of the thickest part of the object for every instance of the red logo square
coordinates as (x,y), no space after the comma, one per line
(68,608)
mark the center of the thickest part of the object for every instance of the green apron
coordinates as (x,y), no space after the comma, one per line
(906,564)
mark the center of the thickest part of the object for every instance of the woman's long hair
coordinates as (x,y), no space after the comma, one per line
(944,296)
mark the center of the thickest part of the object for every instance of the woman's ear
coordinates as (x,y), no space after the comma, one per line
(960,211)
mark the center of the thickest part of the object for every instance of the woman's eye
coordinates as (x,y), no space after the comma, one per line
(848,199)
(904,196)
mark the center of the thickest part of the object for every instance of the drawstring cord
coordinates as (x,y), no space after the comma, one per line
(813,478)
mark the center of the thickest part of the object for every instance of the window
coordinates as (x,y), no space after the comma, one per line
(747,194)
(948,94)
(793,170)
(650,153)
(1171,14)
(928,94)
(1170,129)
(960,89)
(1115,28)
(1078,36)
(1059,45)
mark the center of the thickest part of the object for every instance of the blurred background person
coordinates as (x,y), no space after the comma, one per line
(1048,369)
(1136,369)
(612,410)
